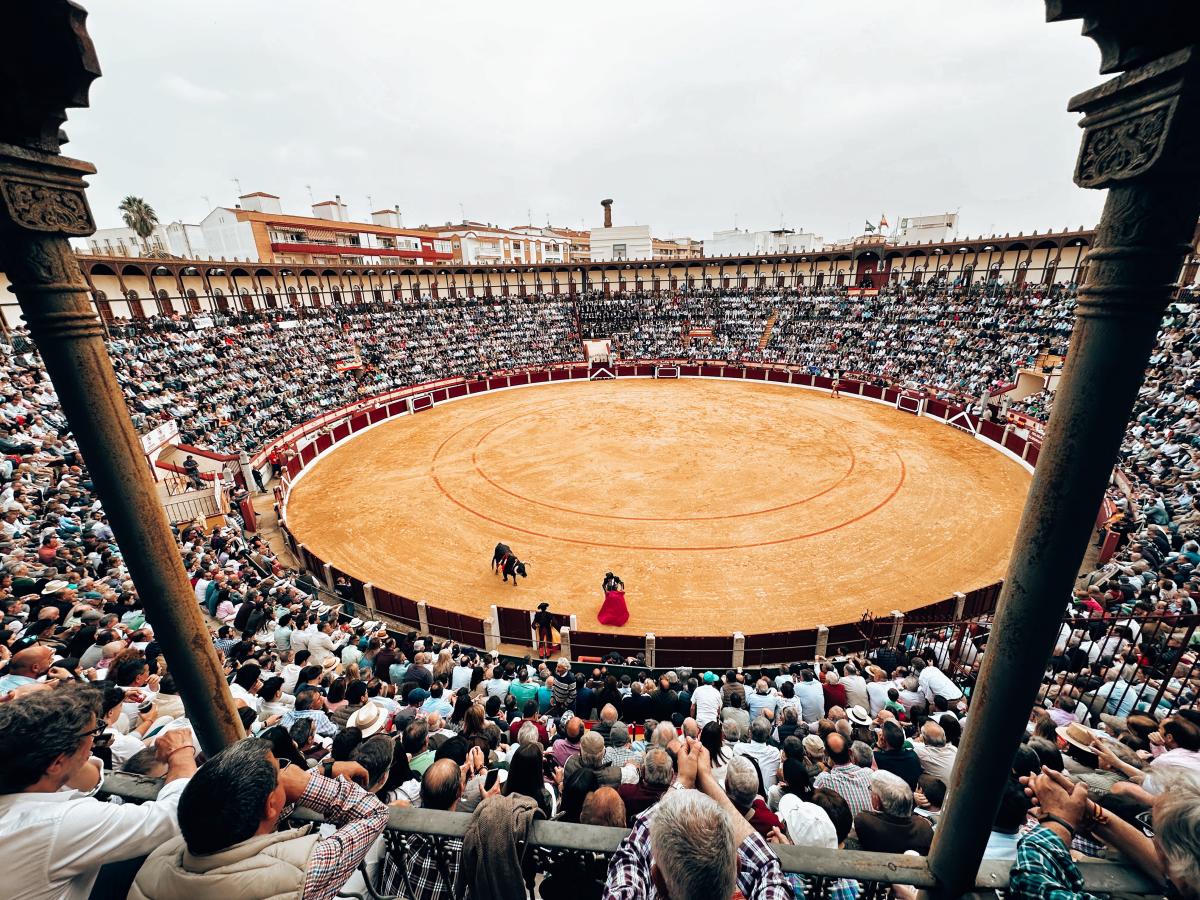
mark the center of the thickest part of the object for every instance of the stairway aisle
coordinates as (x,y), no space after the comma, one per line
(767,329)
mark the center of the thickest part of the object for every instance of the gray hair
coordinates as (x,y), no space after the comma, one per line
(619,735)
(730,731)
(1177,827)
(657,768)
(894,794)
(527,734)
(832,677)
(741,782)
(933,734)
(861,754)
(911,684)
(664,733)
(760,730)
(691,840)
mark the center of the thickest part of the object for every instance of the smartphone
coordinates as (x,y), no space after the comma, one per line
(146,707)
(489,780)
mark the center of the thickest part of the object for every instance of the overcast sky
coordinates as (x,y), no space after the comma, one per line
(691,115)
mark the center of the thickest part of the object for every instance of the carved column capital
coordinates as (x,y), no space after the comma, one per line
(43,193)
(1140,124)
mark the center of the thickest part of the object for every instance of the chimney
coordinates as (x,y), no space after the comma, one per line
(607,204)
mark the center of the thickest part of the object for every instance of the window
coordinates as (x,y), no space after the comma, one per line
(619,251)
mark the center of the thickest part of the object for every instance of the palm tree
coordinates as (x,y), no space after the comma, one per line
(141,217)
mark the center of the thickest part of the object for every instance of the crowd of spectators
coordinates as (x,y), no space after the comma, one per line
(236,382)
(706,769)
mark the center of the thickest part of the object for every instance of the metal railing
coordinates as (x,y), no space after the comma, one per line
(549,840)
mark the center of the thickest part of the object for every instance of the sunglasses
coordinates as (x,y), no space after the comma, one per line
(94,732)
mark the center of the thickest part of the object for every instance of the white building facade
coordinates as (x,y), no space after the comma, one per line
(173,239)
(743,242)
(621,242)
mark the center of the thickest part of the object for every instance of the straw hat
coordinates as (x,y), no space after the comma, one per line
(368,718)
(1078,736)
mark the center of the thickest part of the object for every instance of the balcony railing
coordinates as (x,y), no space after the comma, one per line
(819,866)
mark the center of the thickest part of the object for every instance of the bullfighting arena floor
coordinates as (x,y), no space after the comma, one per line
(724,506)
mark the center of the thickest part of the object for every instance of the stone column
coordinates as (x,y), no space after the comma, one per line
(47,67)
(1142,142)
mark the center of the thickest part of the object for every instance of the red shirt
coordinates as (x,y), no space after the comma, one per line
(543,736)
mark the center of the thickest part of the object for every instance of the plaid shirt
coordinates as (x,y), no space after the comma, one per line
(759,876)
(852,782)
(618,756)
(421,867)
(360,819)
(1044,869)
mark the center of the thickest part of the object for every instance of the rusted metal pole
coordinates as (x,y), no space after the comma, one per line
(1140,142)
(42,203)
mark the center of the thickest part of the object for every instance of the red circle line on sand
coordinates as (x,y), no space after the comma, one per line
(787,540)
(579,512)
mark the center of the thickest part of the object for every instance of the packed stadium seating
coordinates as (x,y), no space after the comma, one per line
(805,748)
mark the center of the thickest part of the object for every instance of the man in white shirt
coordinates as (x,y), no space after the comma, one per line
(933,682)
(322,646)
(54,836)
(706,701)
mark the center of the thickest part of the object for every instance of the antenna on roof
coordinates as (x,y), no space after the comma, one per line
(370,204)
(311,198)
(461,212)
(239,186)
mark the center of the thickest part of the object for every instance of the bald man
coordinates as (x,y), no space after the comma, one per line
(25,667)
(851,782)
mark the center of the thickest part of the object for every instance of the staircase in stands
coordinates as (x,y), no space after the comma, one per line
(768,327)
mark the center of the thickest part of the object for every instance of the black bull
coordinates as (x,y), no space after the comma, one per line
(505,562)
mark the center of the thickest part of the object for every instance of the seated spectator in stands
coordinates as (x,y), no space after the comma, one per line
(733,685)
(835,694)
(811,696)
(657,775)
(608,718)
(621,750)
(762,701)
(734,713)
(890,826)
(1045,867)
(416,745)
(56,836)
(356,697)
(1010,818)
(856,687)
(529,714)
(231,846)
(937,757)
(591,757)
(636,707)
(568,745)
(765,756)
(693,845)
(742,786)
(851,782)
(893,756)
(929,796)
(429,863)
(525,777)
(311,705)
